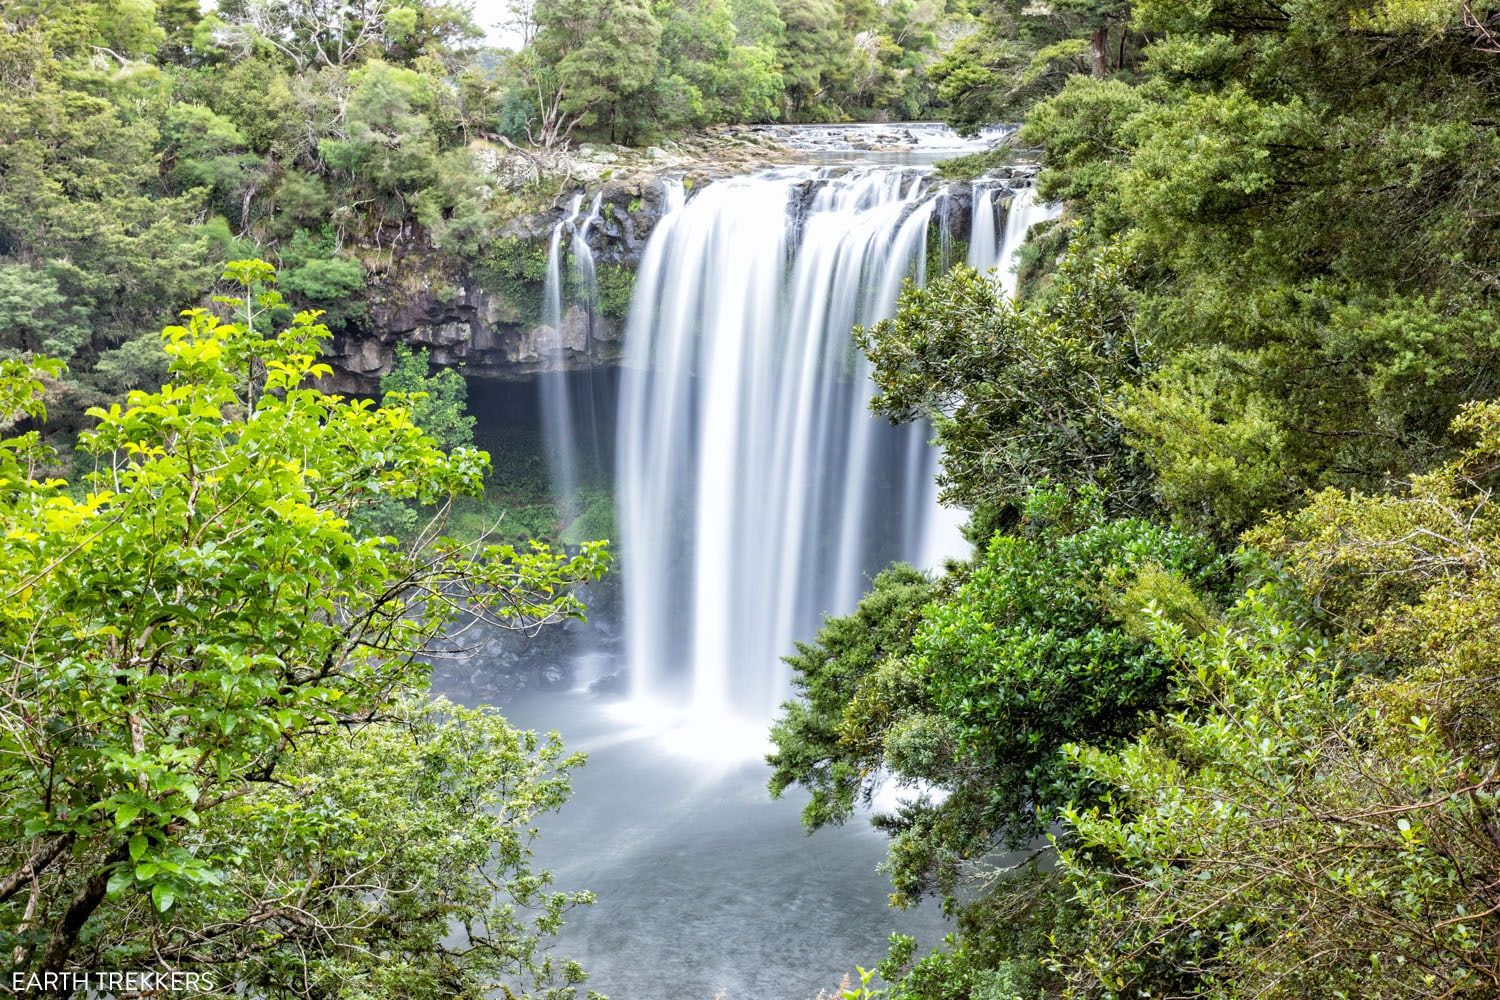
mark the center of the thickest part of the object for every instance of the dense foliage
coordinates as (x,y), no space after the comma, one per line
(633,69)
(379,142)
(213,754)
(1301,191)
(1264,327)
(142,145)
(1037,645)
(1210,711)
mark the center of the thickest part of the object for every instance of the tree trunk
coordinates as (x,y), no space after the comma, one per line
(1099,52)
(85,901)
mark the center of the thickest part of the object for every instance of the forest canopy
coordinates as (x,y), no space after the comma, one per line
(143,143)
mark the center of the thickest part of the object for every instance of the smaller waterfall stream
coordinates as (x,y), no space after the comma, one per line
(1024,212)
(1003,254)
(984,245)
(568,308)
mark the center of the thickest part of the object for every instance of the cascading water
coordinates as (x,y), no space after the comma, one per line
(984,245)
(565,327)
(585,276)
(1024,212)
(586,287)
(756,492)
(1003,254)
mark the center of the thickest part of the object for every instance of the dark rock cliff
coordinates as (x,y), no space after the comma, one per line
(485,315)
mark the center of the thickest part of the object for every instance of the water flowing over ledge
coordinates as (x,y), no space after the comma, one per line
(756,492)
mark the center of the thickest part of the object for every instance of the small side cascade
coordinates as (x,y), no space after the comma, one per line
(563,302)
(984,242)
(1024,212)
(584,274)
(1001,254)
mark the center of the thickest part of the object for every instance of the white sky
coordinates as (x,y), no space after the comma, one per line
(488,14)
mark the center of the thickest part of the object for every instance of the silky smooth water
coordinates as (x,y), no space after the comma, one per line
(1025,211)
(755,493)
(557,396)
(705,886)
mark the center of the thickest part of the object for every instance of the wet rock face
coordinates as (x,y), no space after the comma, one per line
(478,329)
(490,329)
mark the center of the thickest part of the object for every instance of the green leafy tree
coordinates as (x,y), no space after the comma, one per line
(313,270)
(974,691)
(705,75)
(1021,53)
(456,210)
(438,401)
(82,213)
(391,143)
(35,315)
(311,34)
(208,151)
(1288,205)
(604,56)
(1267,304)
(1022,395)
(811,45)
(815,747)
(197,635)
(1321,821)
(178,19)
(757,22)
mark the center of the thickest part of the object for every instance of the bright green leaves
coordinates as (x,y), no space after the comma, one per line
(23,385)
(210,608)
(1033,649)
(975,686)
(248,273)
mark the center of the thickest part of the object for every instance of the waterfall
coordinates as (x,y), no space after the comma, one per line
(984,245)
(586,289)
(1003,254)
(756,492)
(552,288)
(581,254)
(559,427)
(1024,212)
